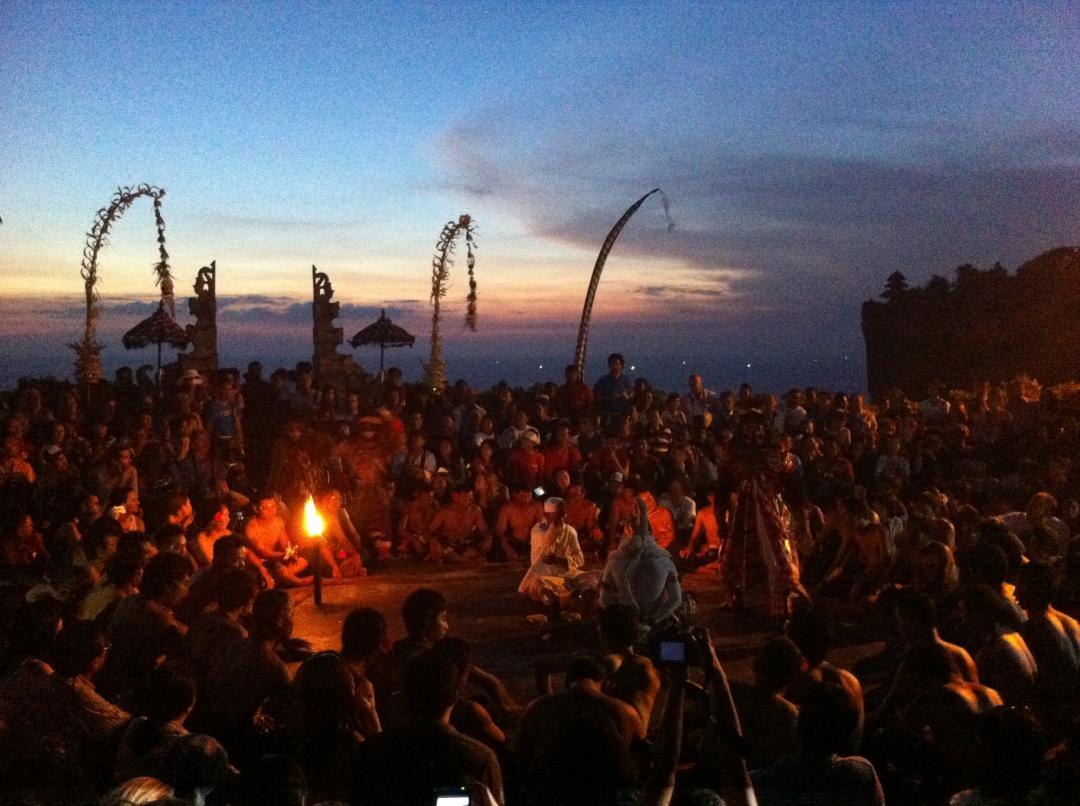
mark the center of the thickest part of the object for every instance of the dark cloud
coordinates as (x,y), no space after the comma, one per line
(783,225)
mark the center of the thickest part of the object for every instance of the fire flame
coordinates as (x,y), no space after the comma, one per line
(313,521)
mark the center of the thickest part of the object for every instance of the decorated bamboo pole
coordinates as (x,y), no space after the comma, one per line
(598,267)
(435,369)
(88,351)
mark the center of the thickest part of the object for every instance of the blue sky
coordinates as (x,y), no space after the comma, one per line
(808,150)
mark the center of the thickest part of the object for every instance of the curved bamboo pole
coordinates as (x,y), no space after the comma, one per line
(435,369)
(598,267)
(88,351)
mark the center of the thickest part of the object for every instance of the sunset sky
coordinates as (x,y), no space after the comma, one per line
(808,150)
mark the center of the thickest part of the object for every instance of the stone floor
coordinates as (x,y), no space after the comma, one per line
(486,610)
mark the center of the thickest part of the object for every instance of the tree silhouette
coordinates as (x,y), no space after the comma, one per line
(895,285)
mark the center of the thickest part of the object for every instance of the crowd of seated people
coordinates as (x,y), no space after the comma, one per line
(149,539)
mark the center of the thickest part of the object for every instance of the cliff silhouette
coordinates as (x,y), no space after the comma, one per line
(984,325)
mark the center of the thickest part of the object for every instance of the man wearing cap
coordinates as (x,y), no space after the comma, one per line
(556,558)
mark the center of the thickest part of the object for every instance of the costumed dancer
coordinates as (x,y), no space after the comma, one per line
(761,524)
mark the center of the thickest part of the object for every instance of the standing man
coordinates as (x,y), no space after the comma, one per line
(614,393)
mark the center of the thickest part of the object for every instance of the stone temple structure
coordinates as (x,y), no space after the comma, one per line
(330,367)
(203,334)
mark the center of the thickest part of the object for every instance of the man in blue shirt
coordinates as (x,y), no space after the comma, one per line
(614,394)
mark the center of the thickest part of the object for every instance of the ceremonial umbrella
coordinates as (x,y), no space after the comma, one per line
(159,328)
(384,333)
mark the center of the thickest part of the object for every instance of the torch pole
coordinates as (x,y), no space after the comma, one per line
(318,572)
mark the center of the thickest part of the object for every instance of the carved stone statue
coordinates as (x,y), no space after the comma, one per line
(330,367)
(203,334)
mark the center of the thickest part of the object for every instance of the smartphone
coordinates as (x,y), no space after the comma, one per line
(538,492)
(453,796)
(673,651)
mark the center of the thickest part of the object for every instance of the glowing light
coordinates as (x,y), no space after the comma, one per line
(541,366)
(313,521)
(632,367)
(748,366)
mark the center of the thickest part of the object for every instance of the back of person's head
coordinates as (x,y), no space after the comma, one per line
(161,573)
(326,691)
(585,668)
(196,762)
(269,615)
(98,534)
(857,507)
(124,569)
(828,719)
(168,535)
(33,631)
(1036,584)
(985,609)
(777,665)
(1009,750)
(915,609)
(275,781)
(1044,543)
(140,791)
(618,625)
(432,682)
(226,550)
(208,512)
(985,564)
(363,633)
(235,590)
(118,497)
(421,608)
(79,644)
(165,694)
(811,632)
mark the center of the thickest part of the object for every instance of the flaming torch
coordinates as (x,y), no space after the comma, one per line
(314,525)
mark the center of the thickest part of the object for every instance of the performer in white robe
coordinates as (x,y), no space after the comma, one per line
(641,574)
(556,560)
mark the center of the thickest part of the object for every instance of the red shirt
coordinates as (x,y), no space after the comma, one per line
(573,398)
(556,458)
(524,469)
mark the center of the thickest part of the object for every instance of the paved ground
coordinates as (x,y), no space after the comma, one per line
(486,610)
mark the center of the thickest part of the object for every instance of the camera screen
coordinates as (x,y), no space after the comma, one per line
(538,492)
(452,800)
(673,651)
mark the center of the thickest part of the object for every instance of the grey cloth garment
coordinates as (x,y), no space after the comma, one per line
(641,574)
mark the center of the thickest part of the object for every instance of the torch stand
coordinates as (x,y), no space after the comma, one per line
(317,565)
